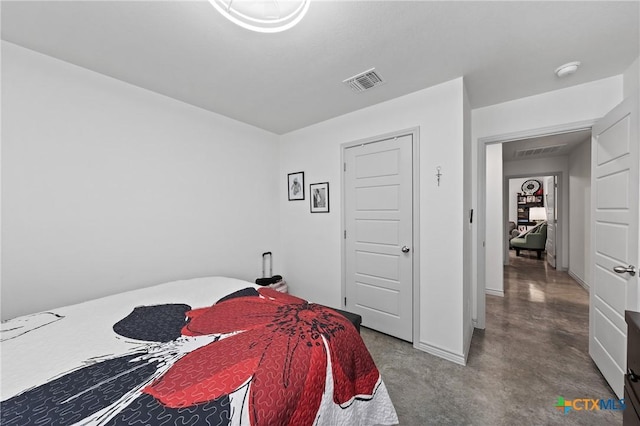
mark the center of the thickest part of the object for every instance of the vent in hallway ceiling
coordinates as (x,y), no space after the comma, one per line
(533,152)
(364,81)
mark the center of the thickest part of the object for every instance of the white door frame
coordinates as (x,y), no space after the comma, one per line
(415,133)
(482,202)
(558,207)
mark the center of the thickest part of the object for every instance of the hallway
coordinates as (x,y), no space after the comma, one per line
(534,350)
(545,315)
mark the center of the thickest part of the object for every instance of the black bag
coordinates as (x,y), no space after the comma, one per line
(272,280)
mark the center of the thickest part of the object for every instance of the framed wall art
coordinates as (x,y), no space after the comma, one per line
(319,197)
(295,185)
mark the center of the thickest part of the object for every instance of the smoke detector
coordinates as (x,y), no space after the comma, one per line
(364,81)
(567,69)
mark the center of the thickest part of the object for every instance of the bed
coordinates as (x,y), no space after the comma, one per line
(211,351)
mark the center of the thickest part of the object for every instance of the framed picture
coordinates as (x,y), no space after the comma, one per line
(319,197)
(295,184)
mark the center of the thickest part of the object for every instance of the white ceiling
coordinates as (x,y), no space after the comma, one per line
(286,81)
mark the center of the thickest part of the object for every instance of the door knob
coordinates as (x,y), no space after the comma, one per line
(405,249)
(623,269)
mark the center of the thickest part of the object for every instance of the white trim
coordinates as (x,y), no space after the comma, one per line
(538,133)
(579,281)
(415,143)
(467,344)
(416,233)
(442,353)
(499,293)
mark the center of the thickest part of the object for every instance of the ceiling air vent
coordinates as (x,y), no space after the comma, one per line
(532,152)
(364,81)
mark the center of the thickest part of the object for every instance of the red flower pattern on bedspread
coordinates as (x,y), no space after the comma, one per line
(279,350)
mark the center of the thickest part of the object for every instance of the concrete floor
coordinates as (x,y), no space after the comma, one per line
(534,350)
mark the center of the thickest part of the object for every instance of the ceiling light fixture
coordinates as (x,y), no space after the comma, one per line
(567,69)
(265,16)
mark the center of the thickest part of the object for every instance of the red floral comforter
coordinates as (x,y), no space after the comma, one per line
(255,357)
(281,347)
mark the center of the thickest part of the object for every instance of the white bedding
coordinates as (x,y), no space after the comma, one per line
(86,330)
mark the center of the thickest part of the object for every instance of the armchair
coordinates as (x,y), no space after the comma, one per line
(534,240)
(512,230)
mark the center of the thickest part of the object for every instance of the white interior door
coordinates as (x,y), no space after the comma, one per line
(550,190)
(378,203)
(615,238)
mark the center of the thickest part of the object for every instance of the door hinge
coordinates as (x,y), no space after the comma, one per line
(345,167)
(345,302)
(345,234)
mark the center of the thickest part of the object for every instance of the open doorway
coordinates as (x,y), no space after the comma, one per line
(618,128)
(490,236)
(531,217)
(564,155)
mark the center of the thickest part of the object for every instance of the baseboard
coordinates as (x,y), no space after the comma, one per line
(579,280)
(442,353)
(499,293)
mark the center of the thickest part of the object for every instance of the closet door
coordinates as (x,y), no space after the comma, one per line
(378,203)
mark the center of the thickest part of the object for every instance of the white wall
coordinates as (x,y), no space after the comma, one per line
(493,273)
(574,104)
(580,213)
(632,78)
(468,227)
(107,187)
(312,242)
